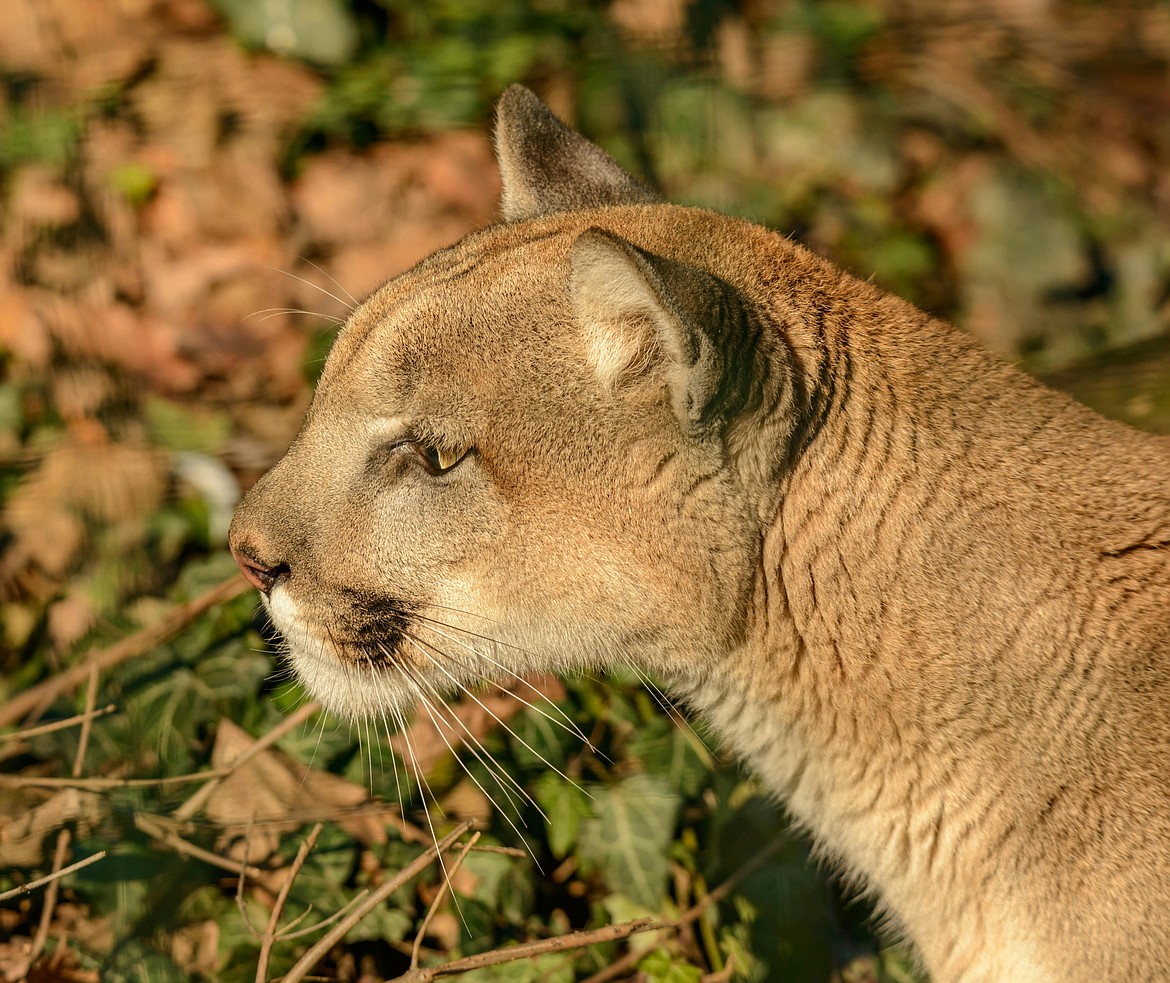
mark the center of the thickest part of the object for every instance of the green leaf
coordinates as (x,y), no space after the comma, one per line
(553,967)
(665,749)
(538,741)
(629,840)
(321,31)
(565,805)
(489,870)
(134,180)
(660,967)
(383,924)
(179,427)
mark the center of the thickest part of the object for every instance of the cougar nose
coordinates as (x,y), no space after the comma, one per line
(262,577)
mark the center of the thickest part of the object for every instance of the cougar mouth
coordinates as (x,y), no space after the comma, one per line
(373,630)
(378,654)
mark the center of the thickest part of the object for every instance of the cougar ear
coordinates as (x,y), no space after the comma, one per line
(642,314)
(547,167)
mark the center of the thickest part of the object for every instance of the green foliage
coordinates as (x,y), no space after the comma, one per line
(628,840)
(661,967)
(185,428)
(134,180)
(46,137)
(322,31)
(565,805)
(441,65)
(549,968)
(840,28)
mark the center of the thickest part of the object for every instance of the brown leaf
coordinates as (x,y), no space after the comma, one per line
(273,794)
(22,834)
(85,43)
(343,197)
(21,331)
(195,948)
(38,198)
(117,334)
(459,172)
(83,477)
(653,21)
(70,618)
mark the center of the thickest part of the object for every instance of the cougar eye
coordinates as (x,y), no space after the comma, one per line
(420,450)
(437,459)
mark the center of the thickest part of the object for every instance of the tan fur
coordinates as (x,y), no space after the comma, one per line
(925,597)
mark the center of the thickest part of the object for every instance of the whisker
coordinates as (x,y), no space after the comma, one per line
(340,286)
(393,761)
(369,755)
(442,721)
(493,767)
(428,707)
(460,686)
(293,276)
(673,712)
(566,723)
(420,778)
(271,312)
(468,614)
(421,781)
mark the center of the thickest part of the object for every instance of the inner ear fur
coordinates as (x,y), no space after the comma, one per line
(641,314)
(547,167)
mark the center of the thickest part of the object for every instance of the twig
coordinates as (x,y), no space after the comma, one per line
(104,784)
(390,813)
(64,836)
(196,802)
(155,827)
(707,937)
(274,919)
(50,904)
(506,851)
(20,735)
(286,935)
(749,867)
(626,962)
(438,899)
(380,894)
(63,872)
(142,641)
(86,722)
(526,950)
(240,888)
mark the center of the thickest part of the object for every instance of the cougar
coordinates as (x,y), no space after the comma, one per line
(924,597)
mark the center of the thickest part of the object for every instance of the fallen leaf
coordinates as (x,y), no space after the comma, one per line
(273,794)
(22,836)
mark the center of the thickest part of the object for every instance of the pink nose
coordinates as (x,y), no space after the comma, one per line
(256,573)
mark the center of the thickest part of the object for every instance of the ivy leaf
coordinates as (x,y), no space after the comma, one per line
(659,966)
(489,871)
(629,840)
(667,750)
(565,805)
(552,967)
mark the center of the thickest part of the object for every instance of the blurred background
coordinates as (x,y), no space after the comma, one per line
(192,194)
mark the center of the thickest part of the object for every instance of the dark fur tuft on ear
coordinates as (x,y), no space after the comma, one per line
(547,167)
